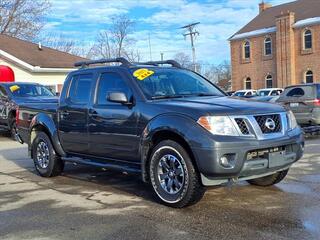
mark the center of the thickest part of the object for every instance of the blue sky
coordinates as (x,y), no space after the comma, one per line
(82,21)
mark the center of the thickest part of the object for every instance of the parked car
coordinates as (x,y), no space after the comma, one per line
(269,92)
(245,93)
(271,99)
(173,126)
(304,101)
(14,94)
(230,93)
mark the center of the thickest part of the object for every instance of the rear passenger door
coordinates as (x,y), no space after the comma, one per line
(113,126)
(73,114)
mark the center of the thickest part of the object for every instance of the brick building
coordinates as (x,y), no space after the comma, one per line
(279,47)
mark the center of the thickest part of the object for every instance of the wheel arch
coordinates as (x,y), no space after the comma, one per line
(44,123)
(173,127)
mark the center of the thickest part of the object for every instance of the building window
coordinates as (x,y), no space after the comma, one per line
(309,77)
(307,36)
(247,83)
(267,46)
(246,50)
(269,81)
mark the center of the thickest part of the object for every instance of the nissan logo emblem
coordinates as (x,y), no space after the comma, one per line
(270,124)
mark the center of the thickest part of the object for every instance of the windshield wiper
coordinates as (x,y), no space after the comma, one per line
(204,94)
(167,96)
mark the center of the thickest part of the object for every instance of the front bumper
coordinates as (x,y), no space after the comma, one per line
(213,173)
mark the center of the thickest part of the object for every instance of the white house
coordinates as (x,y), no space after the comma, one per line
(35,63)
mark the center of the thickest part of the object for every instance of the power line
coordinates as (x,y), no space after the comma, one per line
(192,33)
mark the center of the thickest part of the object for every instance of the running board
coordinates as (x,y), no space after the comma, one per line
(114,166)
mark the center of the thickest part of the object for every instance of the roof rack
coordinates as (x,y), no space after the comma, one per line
(121,60)
(173,63)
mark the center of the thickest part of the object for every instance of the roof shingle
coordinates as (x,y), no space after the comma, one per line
(303,9)
(29,52)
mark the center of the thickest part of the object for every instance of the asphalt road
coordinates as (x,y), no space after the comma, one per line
(88,203)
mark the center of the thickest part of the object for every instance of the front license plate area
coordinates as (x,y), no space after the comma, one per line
(276,159)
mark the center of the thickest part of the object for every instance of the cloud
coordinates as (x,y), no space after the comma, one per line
(161,19)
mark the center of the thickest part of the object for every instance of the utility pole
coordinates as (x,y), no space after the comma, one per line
(161,56)
(192,33)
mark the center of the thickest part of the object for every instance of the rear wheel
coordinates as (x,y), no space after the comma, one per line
(46,161)
(269,180)
(173,176)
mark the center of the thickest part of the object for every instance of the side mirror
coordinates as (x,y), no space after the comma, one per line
(118,97)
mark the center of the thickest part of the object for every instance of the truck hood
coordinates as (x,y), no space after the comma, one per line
(222,105)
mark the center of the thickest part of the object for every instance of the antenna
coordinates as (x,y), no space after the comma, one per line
(192,33)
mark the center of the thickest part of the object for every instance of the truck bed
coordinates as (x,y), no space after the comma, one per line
(27,112)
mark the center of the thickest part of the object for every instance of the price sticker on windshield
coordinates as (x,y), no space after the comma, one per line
(142,73)
(14,88)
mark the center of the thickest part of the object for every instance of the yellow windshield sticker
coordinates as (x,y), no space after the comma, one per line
(142,73)
(14,88)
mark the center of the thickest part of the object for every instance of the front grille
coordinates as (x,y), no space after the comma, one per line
(263,119)
(242,126)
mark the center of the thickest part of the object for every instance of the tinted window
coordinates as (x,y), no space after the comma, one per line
(296,92)
(29,90)
(239,94)
(249,94)
(3,92)
(110,82)
(80,88)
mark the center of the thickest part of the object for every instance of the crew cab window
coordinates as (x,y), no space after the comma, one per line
(110,82)
(80,88)
(3,92)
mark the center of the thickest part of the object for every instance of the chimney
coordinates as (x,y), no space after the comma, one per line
(40,46)
(264,6)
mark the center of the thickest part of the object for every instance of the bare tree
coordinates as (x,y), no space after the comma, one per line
(115,41)
(59,42)
(183,59)
(121,27)
(22,18)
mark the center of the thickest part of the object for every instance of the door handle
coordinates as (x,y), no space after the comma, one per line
(64,114)
(92,113)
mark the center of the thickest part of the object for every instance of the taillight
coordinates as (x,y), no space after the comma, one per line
(316,102)
(17,116)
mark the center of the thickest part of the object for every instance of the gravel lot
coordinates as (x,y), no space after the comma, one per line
(88,203)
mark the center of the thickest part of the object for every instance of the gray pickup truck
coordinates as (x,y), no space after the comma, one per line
(171,125)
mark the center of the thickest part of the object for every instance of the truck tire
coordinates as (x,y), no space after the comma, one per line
(269,180)
(46,161)
(174,178)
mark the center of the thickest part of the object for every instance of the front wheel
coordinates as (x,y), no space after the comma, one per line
(173,176)
(46,161)
(269,180)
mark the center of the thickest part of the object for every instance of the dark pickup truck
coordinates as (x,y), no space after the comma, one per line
(14,94)
(173,126)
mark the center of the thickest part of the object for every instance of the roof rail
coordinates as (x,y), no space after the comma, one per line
(173,63)
(121,60)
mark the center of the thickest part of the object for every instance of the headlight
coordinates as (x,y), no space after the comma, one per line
(292,120)
(219,125)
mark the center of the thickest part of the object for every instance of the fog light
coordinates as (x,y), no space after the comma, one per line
(228,160)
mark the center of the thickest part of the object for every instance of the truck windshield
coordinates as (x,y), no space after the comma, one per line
(159,83)
(29,90)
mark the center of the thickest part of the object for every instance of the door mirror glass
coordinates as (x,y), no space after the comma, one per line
(117,97)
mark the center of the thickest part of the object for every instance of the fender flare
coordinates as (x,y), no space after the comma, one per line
(46,122)
(178,124)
